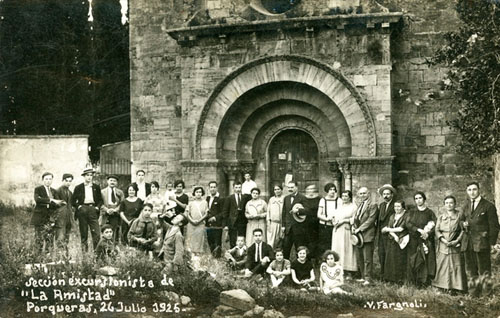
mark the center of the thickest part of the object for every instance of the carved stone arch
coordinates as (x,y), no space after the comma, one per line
(267,134)
(286,68)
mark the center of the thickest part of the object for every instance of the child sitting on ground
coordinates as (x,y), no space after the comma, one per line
(303,271)
(279,269)
(106,250)
(236,257)
(331,274)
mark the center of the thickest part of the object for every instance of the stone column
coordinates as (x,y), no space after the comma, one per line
(346,171)
(231,171)
(336,174)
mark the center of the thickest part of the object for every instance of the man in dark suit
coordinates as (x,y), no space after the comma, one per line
(234,214)
(259,255)
(294,220)
(110,209)
(385,210)
(43,218)
(215,221)
(363,223)
(482,228)
(64,222)
(87,200)
(143,188)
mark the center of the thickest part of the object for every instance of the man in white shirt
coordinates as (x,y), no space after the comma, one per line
(144,188)
(248,184)
(215,219)
(111,197)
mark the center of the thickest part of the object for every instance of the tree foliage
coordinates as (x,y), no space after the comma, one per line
(60,73)
(473,55)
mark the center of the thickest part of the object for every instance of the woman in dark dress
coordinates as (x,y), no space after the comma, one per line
(130,208)
(421,248)
(395,257)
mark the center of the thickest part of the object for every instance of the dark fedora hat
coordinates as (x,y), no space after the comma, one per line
(112,176)
(357,239)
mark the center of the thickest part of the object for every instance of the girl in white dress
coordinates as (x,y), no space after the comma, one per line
(274,209)
(331,276)
(255,212)
(341,234)
(196,213)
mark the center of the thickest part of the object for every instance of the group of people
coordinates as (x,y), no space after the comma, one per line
(332,232)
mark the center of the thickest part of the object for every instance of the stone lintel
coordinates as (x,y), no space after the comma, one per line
(375,20)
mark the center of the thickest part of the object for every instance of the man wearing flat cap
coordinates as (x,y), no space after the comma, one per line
(110,209)
(385,210)
(46,201)
(87,200)
(64,220)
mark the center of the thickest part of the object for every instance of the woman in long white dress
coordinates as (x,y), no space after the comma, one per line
(255,212)
(341,234)
(196,213)
(274,212)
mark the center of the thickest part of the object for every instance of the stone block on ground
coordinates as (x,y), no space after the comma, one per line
(237,298)
(185,300)
(258,310)
(223,310)
(271,313)
(349,315)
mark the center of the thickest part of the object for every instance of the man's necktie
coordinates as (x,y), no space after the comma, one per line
(49,193)
(360,209)
(472,206)
(113,196)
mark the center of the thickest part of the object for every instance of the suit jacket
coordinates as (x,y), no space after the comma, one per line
(217,211)
(483,225)
(79,196)
(234,212)
(43,207)
(286,216)
(384,214)
(107,204)
(267,250)
(367,218)
(148,188)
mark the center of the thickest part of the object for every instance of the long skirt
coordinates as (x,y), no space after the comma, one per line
(395,262)
(273,234)
(196,238)
(252,225)
(450,271)
(341,243)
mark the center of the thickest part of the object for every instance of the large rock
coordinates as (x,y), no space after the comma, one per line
(271,313)
(349,315)
(237,298)
(258,310)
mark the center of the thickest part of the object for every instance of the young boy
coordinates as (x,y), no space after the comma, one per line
(279,269)
(106,250)
(236,257)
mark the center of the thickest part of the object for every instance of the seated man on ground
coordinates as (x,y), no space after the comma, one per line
(259,256)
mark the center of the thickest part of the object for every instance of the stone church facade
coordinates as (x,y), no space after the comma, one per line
(321,90)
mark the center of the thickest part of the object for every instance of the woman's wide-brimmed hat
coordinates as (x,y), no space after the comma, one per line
(386,187)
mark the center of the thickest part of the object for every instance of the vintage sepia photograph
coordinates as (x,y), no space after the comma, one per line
(250,158)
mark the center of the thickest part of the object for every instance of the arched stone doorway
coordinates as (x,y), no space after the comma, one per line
(293,155)
(266,97)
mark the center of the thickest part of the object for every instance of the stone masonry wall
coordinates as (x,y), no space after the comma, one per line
(426,158)
(164,116)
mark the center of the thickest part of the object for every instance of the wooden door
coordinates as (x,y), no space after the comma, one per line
(295,153)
